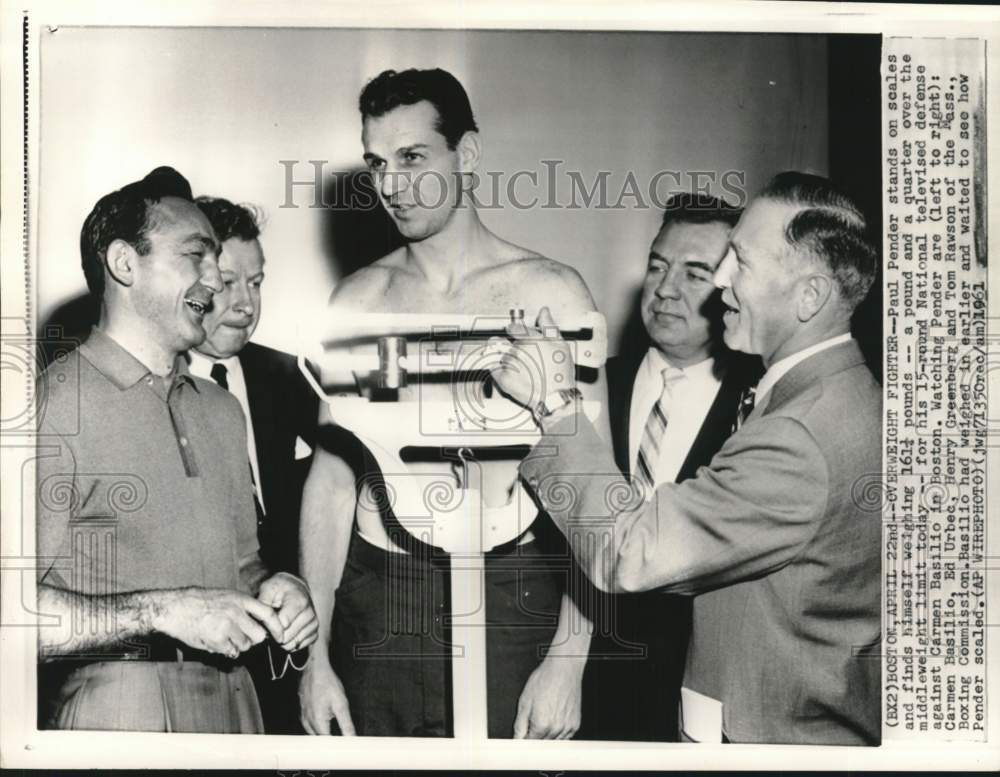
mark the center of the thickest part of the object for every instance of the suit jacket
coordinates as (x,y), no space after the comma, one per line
(777,526)
(633,678)
(282,408)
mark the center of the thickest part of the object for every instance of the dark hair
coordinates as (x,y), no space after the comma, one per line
(689,208)
(440,88)
(230,220)
(831,227)
(126,215)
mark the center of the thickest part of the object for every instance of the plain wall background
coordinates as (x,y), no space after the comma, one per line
(224,105)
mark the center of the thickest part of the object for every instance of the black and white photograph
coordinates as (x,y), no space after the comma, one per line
(395,386)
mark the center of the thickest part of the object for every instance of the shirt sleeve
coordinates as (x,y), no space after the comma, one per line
(748,513)
(58,496)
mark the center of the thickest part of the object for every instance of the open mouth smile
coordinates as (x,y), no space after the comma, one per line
(199,299)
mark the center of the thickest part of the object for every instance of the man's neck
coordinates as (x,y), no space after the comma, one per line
(805,339)
(133,334)
(445,258)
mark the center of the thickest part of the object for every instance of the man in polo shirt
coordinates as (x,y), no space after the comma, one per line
(147,543)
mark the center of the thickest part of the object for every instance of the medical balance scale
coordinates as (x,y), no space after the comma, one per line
(388,352)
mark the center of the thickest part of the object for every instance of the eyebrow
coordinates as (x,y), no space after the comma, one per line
(368,156)
(654,256)
(204,241)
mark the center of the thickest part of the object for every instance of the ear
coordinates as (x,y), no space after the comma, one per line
(120,262)
(815,290)
(470,151)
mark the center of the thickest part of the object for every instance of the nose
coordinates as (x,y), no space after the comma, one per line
(243,301)
(211,278)
(392,182)
(723,277)
(668,287)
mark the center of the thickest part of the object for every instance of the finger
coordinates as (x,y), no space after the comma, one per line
(306,722)
(305,637)
(294,631)
(345,722)
(250,629)
(320,723)
(237,644)
(521,722)
(545,320)
(265,615)
(538,730)
(290,610)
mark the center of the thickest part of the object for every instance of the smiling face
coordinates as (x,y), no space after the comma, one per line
(678,284)
(759,278)
(417,176)
(236,309)
(174,282)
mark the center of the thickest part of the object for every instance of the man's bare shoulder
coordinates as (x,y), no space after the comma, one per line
(544,281)
(368,285)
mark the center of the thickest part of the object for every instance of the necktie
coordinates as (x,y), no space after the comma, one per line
(656,427)
(747,398)
(220,374)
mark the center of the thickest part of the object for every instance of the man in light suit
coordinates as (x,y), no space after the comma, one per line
(280,411)
(773,528)
(637,655)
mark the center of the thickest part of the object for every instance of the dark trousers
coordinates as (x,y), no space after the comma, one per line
(631,687)
(277,684)
(391,643)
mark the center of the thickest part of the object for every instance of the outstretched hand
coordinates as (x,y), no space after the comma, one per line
(534,361)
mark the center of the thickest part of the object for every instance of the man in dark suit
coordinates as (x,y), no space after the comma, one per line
(771,535)
(637,656)
(281,412)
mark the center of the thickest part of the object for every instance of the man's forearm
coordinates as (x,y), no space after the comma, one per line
(329,501)
(86,623)
(572,638)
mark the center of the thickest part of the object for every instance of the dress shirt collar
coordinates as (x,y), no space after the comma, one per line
(655,362)
(201,365)
(778,370)
(118,365)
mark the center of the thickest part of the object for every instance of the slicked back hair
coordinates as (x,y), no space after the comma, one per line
(126,214)
(390,89)
(230,220)
(830,227)
(693,208)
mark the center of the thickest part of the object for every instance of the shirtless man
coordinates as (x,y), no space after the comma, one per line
(422,147)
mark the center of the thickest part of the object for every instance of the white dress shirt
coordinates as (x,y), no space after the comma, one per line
(690,400)
(201,366)
(777,370)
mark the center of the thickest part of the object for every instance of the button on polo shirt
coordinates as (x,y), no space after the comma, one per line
(142,481)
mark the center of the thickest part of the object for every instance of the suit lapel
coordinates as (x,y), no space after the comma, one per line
(816,367)
(621,372)
(716,427)
(260,394)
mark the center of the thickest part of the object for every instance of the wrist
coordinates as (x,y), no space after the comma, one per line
(154,610)
(557,405)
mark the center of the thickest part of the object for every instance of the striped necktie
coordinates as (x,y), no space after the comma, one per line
(652,434)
